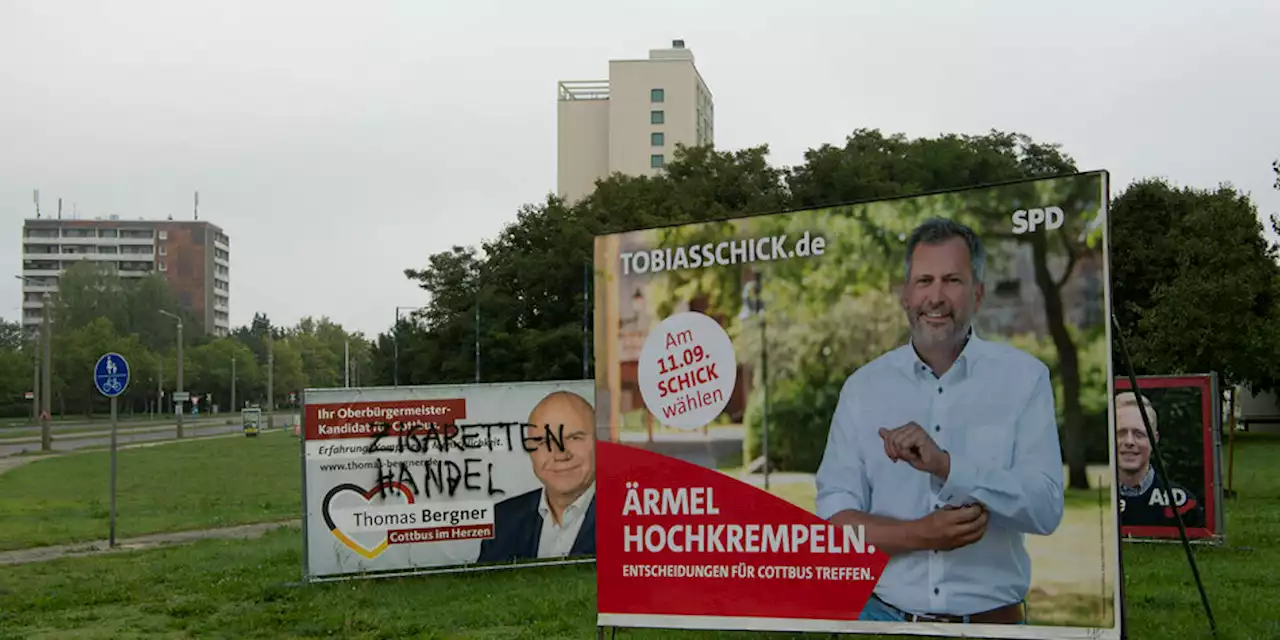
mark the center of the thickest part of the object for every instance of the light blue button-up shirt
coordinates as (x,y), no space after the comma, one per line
(993,412)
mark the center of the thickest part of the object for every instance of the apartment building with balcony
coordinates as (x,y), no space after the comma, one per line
(194,256)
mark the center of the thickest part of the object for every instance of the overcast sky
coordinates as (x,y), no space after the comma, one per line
(340,143)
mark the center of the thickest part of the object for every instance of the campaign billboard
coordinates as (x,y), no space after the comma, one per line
(880,417)
(421,479)
(1185,413)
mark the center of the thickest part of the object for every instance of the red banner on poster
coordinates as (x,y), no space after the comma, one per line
(386,418)
(676,538)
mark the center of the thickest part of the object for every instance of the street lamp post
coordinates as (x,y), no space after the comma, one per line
(180,403)
(753,305)
(271,380)
(35,378)
(44,393)
(233,383)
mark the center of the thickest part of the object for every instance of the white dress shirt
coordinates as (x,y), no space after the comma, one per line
(993,412)
(557,540)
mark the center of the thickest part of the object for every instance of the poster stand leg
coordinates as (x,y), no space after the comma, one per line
(1230,491)
(1161,478)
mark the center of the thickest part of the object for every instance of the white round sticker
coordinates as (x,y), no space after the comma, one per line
(687,370)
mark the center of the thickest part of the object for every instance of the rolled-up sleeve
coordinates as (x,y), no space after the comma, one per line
(1029,493)
(841,478)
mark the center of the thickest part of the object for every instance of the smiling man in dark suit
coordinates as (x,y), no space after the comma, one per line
(559,519)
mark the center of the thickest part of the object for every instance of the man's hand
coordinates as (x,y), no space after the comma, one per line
(952,527)
(912,444)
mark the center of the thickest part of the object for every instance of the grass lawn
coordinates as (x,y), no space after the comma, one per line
(240,589)
(195,485)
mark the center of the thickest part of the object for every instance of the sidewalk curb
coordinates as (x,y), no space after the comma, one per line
(101,547)
(90,435)
(13,461)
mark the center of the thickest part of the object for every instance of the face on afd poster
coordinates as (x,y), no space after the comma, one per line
(885,417)
(1182,411)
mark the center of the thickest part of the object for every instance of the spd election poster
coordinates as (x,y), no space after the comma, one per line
(860,418)
(414,479)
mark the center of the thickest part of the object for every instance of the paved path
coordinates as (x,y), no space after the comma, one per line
(75,429)
(71,425)
(14,461)
(100,547)
(80,441)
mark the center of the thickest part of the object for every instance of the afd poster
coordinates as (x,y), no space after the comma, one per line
(1185,413)
(406,480)
(883,417)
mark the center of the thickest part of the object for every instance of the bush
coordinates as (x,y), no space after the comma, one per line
(811,353)
(800,411)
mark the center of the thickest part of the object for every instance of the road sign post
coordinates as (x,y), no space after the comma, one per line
(111,377)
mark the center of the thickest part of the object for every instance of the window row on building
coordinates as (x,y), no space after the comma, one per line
(657,138)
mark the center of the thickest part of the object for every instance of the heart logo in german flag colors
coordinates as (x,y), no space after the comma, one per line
(392,488)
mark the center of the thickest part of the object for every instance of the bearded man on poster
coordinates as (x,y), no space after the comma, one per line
(946,450)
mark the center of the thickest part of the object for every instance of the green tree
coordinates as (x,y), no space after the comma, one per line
(210,365)
(1195,284)
(323,346)
(144,298)
(74,353)
(88,291)
(13,337)
(255,335)
(531,284)
(453,279)
(288,373)
(16,358)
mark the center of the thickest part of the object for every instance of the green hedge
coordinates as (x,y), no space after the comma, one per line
(800,413)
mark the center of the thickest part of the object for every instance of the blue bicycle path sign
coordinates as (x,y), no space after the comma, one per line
(111,374)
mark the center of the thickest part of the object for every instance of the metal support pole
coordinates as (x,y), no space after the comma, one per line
(271,379)
(764,377)
(233,383)
(178,404)
(160,391)
(46,433)
(182,406)
(114,425)
(35,378)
